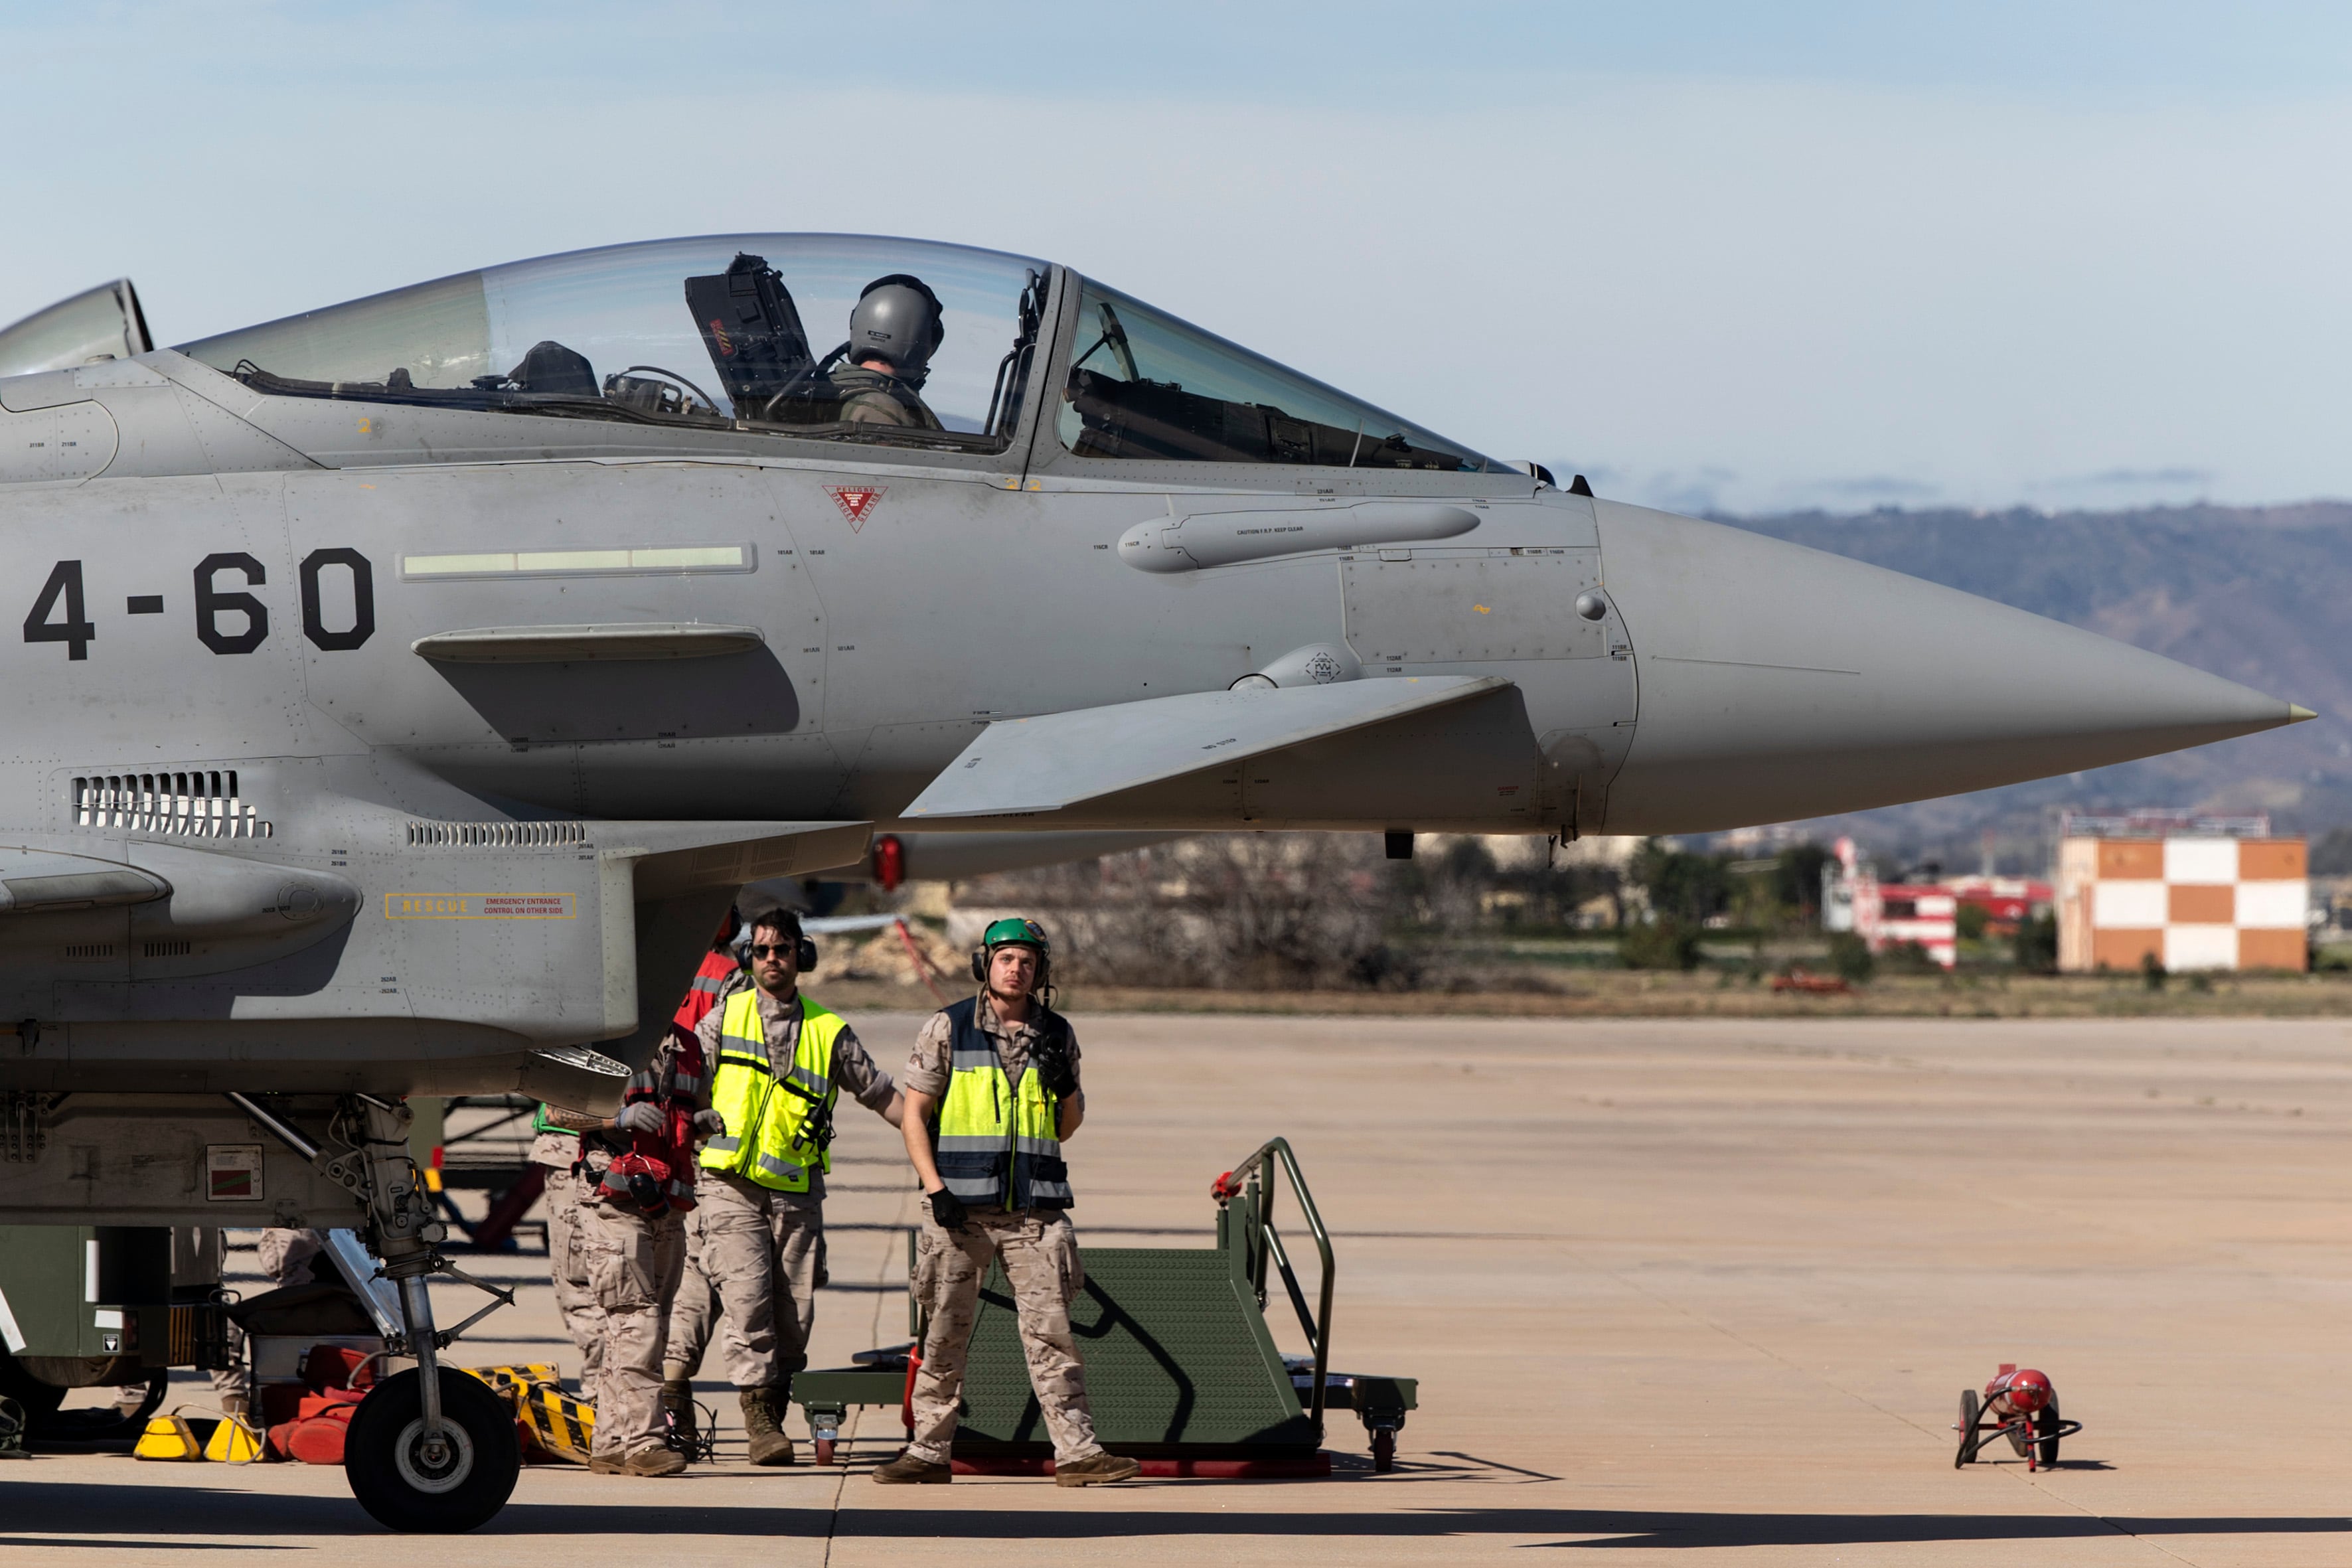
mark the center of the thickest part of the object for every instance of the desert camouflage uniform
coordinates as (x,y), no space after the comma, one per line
(634,1264)
(287,1255)
(694,1311)
(567,1254)
(1040,1250)
(763,1250)
(635,1259)
(870,397)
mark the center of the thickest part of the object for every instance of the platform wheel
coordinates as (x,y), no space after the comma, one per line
(1384,1450)
(37,1399)
(2045,1427)
(410,1484)
(101,1423)
(825,1447)
(1970,1411)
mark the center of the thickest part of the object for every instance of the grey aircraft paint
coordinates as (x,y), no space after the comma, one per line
(398,741)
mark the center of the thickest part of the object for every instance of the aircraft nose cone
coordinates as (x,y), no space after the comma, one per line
(1779,682)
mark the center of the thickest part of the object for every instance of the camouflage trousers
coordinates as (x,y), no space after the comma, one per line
(694,1311)
(567,1267)
(290,1257)
(633,1265)
(760,1251)
(1040,1251)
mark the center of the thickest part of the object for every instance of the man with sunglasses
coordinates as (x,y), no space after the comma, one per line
(991,1095)
(779,1062)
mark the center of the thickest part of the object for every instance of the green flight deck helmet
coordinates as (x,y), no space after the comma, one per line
(1013,932)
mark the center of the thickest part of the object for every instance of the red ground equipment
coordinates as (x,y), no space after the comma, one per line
(2020,1404)
(309,1420)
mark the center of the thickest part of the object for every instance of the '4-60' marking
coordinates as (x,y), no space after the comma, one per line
(228,619)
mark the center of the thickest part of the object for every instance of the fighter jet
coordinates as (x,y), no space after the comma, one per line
(405,685)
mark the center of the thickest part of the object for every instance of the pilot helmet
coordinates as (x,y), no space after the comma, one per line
(896,319)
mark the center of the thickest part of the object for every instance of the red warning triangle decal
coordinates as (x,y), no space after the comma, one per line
(856,504)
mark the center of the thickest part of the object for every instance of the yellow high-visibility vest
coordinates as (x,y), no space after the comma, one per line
(997,1144)
(776,1128)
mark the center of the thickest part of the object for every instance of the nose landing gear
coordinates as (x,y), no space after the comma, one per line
(430,1450)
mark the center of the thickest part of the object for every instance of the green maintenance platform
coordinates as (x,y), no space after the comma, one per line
(1181,1372)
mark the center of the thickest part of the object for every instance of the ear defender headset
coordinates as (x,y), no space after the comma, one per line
(804,950)
(1013,933)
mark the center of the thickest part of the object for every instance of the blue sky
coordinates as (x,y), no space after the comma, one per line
(1718,255)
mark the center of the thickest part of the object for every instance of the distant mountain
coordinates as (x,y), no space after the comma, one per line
(2261,595)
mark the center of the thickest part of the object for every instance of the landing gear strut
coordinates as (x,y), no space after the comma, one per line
(430,1449)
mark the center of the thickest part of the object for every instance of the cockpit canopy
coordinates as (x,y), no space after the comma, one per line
(727,328)
(794,334)
(1144,385)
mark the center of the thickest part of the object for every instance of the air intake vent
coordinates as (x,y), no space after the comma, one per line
(86,951)
(497,835)
(200,804)
(163,950)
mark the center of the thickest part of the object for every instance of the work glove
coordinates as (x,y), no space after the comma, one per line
(710,1123)
(644,1117)
(1054,1069)
(947,1209)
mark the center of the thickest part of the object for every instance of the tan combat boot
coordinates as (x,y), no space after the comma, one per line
(677,1398)
(907,1470)
(1096,1470)
(655,1461)
(764,1419)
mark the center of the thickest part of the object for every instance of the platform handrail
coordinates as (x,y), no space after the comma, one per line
(1317,1325)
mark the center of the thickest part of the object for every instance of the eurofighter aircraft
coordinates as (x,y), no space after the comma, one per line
(406,686)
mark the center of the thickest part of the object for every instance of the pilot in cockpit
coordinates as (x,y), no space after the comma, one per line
(893,332)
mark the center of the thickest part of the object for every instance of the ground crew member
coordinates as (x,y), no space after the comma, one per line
(779,1061)
(694,1304)
(991,1094)
(575,1147)
(571,1150)
(894,330)
(632,1230)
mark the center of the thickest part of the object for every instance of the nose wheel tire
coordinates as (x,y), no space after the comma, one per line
(431,1483)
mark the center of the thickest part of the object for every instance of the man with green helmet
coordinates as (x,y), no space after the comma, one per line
(992,1094)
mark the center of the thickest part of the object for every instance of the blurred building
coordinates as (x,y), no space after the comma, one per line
(2191,892)
(1889,914)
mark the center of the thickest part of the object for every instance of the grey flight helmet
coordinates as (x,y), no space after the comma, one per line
(896,319)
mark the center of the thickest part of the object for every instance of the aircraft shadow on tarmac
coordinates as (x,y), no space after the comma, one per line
(64,1513)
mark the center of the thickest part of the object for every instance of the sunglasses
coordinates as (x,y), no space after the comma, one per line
(782,950)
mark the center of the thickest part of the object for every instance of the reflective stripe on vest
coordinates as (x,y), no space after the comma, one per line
(772,1129)
(996,1144)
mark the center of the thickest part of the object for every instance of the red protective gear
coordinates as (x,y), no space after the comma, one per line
(657,1171)
(663,1164)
